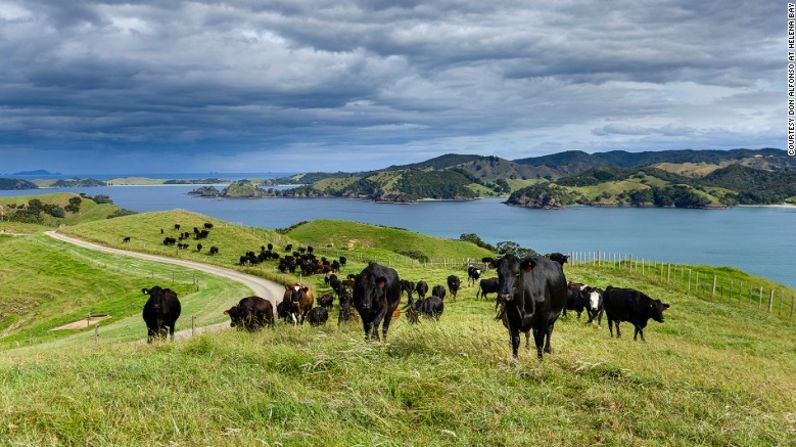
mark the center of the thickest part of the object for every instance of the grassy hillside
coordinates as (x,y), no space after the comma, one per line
(354,235)
(713,374)
(89,209)
(47,283)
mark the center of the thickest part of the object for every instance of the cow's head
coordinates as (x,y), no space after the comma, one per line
(656,310)
(595,296)
(375,292)
(236,316)
(510,270)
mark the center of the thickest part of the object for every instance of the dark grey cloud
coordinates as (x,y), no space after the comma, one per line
(244,82)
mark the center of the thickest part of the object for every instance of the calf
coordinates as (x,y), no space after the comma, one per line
(251,313)
(594,305)
(431,307)
(346,299)
(438,291)
(303,296)
(486,286)
(326,301)
(473,273)
(422,289)
(633,306)
(576,299)
(161,312)
(317,316)
(453,285)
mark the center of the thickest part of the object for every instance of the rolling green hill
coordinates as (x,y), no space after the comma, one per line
(717,372)
(54,209)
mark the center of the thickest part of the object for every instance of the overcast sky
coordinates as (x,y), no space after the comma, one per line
(296,85)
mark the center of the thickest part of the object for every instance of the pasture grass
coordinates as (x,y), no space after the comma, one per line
(711,375)
(715,373)
(47,283)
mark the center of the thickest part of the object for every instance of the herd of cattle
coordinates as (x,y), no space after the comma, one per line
(531,294)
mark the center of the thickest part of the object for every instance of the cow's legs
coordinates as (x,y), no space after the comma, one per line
(547,347)
(150,335)
(527,340)
(514,338)
(600,318)
(367,326)
(611,326)
(386,325)
(171,331)
(377,321)
(538,338)
(618,334)
(637,332)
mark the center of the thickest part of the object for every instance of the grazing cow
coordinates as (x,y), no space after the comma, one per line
(176,226)
(532,292)
(422,289)
(558,257)
(335,283)
(576,299)
(317,316)
(251,313)
(486,286)
(438,291)
(208,225)
(473,273)
(594,305)
(126,239)
(453,285)
(213,250)
(431,307)
(377,292)
(303,296)
(633,306)
(161,312)
(326,301)
(199,247)
(161,231)
(343,260)
(169,241)
(408,287)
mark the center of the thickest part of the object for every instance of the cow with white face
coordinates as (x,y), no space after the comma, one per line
(594,304)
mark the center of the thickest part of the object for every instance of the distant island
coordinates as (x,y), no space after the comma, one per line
(680,179)
(36,172)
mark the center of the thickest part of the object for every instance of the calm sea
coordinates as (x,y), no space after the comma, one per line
(759,240)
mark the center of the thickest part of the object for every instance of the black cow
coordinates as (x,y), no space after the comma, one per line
(576,298)
(169,241)
(486,286)
(408,287)
(346,300)
(208,225)
(431,307)
(377,292)
(288,310)
(326,301)
(594,305)
(214,250)
(438,291)
(453,285)
(317,316)
(422,289)
(251,313)
(176,226)
(473,273)
(126,239)
(198,247)
(343,260)
(161,231)
(161,312)
(558,257)
(633,306)
(533,292)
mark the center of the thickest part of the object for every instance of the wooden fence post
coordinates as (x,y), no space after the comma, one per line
(697,283)
(668,273)
(760,299)
(713,291)
(96,333)
(771,300)
(791,307)
(193,324)
(689,280)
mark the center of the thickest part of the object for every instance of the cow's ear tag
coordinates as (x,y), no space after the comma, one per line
(527,269)
(380,283)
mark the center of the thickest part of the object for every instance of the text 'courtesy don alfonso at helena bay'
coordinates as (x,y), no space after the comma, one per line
(792,79)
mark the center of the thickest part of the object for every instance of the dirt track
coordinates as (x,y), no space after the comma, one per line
(260,286)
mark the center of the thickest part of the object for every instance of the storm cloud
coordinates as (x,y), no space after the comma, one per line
(300,84)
